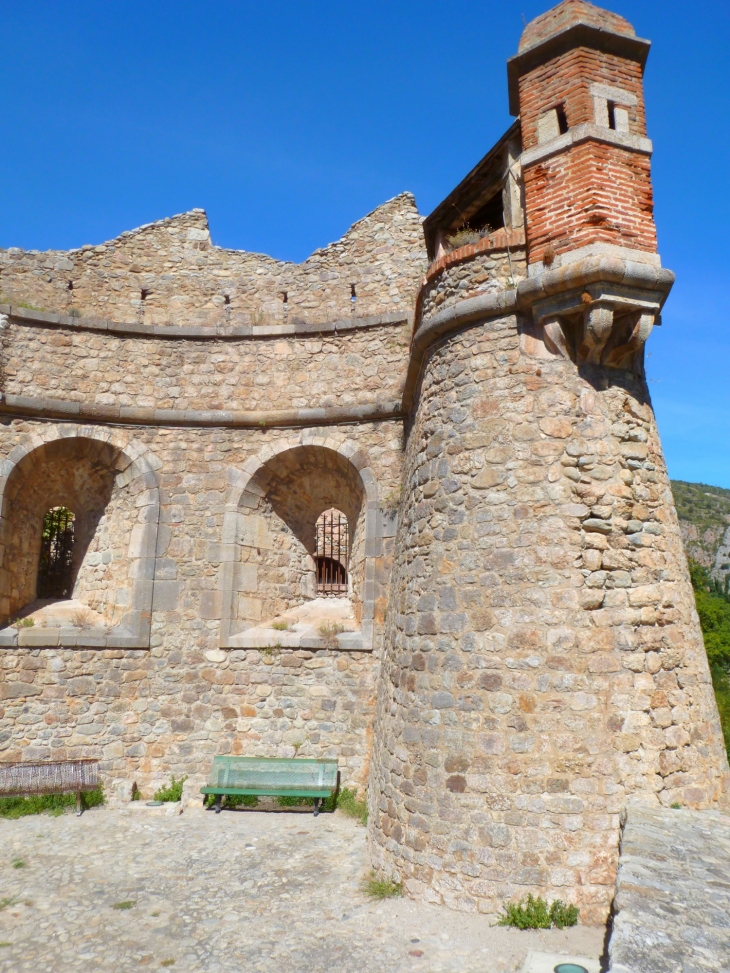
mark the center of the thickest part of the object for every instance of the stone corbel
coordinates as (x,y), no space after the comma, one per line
(555,337)
(600,324)
(637,328)
(597,327)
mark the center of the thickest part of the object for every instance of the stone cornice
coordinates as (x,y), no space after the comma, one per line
(587,132)
(593,270)
(296,328)
(572,36)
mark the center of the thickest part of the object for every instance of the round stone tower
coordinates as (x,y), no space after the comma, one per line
(544,665)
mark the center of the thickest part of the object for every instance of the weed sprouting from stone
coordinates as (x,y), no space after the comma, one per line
(167,962)
(353,806)
(676,806)
(18,863)
(534,913)
(280,626)
(377,887)
(7,902)
(172,792)
(125,905)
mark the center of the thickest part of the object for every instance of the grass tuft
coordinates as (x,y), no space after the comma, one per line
(54,804)
(280,626)
(167,962)
(18,863)
(173,791)
(534,913)
(125,905)
(377,887)
(7,902)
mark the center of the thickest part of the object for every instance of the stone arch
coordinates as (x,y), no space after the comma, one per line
(250,485)
(92,467)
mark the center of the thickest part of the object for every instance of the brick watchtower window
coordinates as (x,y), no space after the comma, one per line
(57,548)
(333,550)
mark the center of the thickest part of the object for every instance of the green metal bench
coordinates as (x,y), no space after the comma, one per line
(272,777)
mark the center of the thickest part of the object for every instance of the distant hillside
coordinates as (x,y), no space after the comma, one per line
(704,517)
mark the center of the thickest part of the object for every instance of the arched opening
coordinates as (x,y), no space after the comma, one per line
(300,571)
(78,529)
(55,563)
(332,539)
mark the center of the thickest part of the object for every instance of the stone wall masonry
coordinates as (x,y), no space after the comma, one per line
(104,373)
(489,272)
(543,661)
(169,273)
(168,710)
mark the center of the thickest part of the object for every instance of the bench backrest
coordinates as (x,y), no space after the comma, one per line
(49,777)
(273,772)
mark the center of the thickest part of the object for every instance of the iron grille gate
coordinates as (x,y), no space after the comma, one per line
(57,548)
(333,551)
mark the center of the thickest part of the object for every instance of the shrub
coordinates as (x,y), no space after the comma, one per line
(534,913)
(18,807)
(173,792)
(465,236)
(280,626)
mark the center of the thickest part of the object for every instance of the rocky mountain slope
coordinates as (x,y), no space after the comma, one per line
(704,517)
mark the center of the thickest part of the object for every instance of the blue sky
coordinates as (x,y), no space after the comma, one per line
(287,121)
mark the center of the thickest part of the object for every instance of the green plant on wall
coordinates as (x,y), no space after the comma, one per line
(713,606)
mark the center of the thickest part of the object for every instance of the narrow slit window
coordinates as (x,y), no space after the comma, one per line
(562,119)
(612,115)
(332,537)
(57,548)
(353,293)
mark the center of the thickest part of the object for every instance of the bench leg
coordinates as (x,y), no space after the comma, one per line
(78,804)
(316,806)
(218,799)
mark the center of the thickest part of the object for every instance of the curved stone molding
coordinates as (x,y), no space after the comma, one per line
(45,319)
(132,415)
(135,467)
(244,490)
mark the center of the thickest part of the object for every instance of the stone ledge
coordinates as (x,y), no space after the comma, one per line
(133,415)
(68,638)
(587,132)
(673,892)
(296,327)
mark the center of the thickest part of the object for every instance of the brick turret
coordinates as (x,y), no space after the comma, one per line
(576,83)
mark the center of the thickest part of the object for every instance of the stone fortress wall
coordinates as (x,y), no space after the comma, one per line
(522,656)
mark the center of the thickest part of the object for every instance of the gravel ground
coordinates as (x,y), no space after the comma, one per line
(138,889)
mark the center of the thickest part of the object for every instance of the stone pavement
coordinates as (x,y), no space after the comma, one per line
(673,893)
(243,890)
